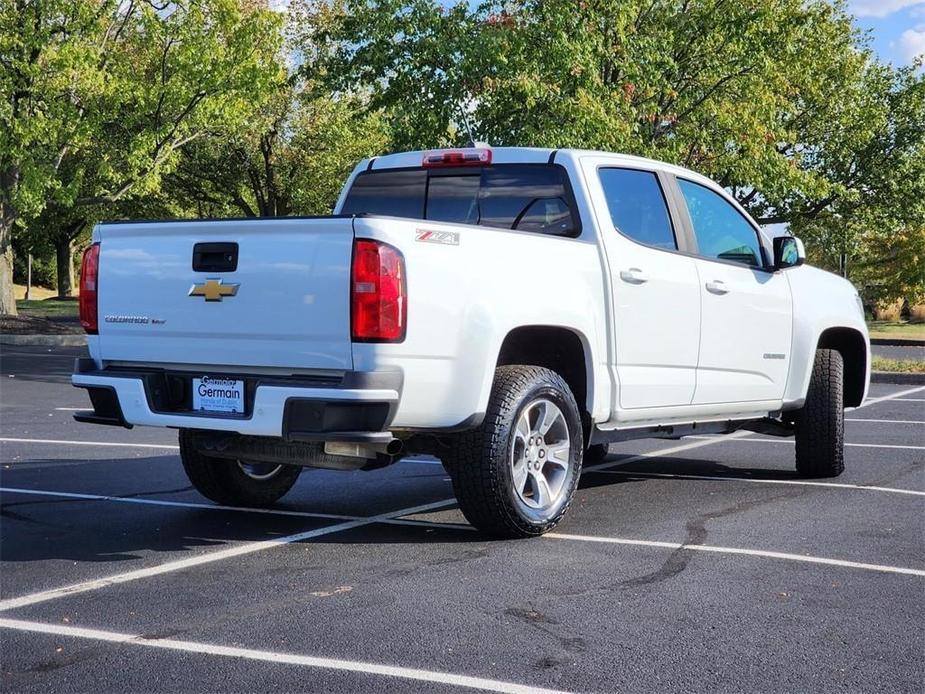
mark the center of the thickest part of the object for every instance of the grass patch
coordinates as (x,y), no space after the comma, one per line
(897,329)
(48,308)
(898,365)
(37,292)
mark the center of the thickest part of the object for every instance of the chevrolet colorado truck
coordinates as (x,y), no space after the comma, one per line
(510,311)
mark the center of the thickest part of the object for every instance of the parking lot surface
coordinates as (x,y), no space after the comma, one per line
(702,564)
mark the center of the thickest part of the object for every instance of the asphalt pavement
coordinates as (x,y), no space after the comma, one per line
(905,352)
(698,565)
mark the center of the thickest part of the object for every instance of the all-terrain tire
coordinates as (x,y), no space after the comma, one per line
(480,462)
(819,425)
(225,482)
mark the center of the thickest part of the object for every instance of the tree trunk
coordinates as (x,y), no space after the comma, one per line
(7,295)
(64,255)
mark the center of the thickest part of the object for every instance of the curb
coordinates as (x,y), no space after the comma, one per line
(896,342)
(69,340)
(899,378)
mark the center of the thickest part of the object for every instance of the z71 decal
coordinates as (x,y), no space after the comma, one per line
(447,238)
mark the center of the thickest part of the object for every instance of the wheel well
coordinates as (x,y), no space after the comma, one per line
(850,344)
(558,349)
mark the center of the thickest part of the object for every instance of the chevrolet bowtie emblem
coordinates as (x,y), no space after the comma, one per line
(214,290)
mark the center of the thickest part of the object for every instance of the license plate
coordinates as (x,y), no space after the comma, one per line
(212,394)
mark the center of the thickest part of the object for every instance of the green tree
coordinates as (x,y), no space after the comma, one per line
(295,152)
(101,95)
(781,101)
(293,160)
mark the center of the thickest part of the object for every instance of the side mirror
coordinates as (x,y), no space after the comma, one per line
(788,252)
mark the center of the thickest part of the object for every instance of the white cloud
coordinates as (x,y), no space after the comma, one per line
(881,8)
(912,43)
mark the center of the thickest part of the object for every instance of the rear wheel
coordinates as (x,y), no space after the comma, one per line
(235,482)
(819,425)
(515,475)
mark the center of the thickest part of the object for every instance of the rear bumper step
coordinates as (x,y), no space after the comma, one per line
(289,409)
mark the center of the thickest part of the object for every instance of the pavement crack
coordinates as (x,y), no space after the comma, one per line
(159,635)
(696,529)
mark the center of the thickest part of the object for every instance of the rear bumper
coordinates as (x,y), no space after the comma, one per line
(354,407)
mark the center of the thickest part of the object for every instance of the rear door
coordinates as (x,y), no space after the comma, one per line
(656,302)
(170,293)
(747,309)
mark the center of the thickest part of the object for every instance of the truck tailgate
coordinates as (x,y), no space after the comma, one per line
(285,304)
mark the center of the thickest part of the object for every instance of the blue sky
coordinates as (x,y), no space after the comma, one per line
(897,27)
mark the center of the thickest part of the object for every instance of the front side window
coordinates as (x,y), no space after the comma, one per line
(637,206)
(721,231)
(525,197)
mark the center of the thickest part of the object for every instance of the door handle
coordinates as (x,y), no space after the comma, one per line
(717,287)
(634,276)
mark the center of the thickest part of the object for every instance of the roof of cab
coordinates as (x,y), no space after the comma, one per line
(528,155)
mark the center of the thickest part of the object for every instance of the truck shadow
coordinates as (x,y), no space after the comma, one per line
(651,469)
(100,531)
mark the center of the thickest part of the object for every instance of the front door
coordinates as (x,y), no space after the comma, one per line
(746,326)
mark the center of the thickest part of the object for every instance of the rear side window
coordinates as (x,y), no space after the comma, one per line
(721,231)
(637,206)
(526,197)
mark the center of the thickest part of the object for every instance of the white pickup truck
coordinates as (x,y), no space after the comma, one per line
(509,310)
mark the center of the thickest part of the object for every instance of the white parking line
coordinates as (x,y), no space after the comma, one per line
(92,585)
(884,421)
(432,676)
(209,557)
(676,449)
(731,478)
(6,439)
(738,550)
(892,396)
(751,439)
(252,547)
(143,501)
(910,399)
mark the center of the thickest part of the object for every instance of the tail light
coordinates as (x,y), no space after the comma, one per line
(89,276)
(378,300)
(476,156)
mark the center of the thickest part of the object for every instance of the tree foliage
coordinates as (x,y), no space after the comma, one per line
(292,158)
(781,101)
(122,108)
(101,95)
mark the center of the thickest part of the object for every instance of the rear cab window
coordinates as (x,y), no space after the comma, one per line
(524,197)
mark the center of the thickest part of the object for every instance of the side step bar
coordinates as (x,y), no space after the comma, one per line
(768,425)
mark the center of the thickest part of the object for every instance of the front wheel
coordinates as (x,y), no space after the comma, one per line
(235,482)
(515,475)
(819,426)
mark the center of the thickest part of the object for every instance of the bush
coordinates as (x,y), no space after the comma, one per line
(888,310)
(44,268)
